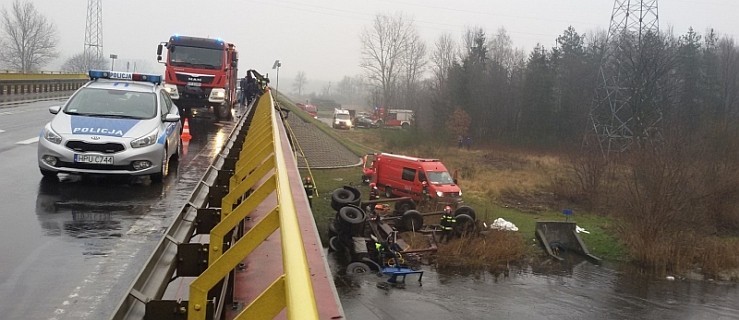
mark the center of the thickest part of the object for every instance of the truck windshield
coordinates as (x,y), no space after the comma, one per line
(439,177)
(184,56)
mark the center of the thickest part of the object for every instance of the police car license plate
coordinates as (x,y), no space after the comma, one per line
(91,158)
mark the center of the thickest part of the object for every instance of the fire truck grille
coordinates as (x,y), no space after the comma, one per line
(193,79)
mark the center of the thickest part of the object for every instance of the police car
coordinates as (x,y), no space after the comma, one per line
(118,123)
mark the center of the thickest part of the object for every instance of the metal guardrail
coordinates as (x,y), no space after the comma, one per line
(12,76)
(292,290)
(247,184)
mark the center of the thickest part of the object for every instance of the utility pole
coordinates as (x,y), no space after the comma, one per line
(93,50)
(615,120)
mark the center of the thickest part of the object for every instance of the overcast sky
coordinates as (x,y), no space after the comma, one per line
(321,37)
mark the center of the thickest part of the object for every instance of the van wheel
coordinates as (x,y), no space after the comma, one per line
(388,192)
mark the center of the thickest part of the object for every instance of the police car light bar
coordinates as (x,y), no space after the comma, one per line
(116,75)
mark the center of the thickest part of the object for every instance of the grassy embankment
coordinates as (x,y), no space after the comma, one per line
(504,184)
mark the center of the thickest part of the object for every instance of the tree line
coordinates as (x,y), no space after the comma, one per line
(546,96)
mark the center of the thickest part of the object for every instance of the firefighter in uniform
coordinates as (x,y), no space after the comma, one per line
(374,193)
(447,224)
(309,190)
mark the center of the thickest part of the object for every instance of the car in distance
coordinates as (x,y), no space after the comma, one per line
(118,123)
(364,122)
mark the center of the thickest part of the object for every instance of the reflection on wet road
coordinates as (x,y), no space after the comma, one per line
(72,246)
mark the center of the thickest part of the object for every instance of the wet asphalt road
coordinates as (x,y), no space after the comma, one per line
(71,248)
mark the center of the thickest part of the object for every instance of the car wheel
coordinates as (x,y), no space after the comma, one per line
(178,151)
(48,173)
(159,176)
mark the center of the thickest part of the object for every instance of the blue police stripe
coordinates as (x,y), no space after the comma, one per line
(102,126)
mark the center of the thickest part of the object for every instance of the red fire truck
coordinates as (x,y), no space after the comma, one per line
(393,117)
(201,73)
(309,108)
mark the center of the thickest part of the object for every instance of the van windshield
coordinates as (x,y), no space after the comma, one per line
(439,177)
(342,116)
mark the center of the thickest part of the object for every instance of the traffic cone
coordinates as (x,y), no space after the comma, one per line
(186,132)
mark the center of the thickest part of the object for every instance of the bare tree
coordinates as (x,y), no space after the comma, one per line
(442,58)
(29,40)
(300,81)
(81,63)
(414,64)
(383,48)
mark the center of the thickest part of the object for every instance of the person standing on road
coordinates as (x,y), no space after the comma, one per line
(309,190)
(447,224)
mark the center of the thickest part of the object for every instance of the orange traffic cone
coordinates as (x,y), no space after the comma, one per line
(186,132)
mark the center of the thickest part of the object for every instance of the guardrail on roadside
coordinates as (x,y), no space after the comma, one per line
(247,183)
(25,83)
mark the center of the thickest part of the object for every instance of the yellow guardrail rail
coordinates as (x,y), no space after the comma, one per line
(261,160)
(42,76)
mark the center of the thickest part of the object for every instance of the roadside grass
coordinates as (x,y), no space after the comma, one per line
(497,182)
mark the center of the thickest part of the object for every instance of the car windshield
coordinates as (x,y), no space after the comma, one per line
(112,103)
(342,116)
(184,56)
(439,177)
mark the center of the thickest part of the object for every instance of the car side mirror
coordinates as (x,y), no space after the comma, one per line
(159,49)
(455,181)
(55,109)
(171,117)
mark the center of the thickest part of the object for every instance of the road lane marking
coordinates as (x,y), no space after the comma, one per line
(29,141)
(1,130)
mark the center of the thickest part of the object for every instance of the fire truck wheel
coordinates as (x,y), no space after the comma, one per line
(466,210)
(411,220)
(405,205)
(388,192)
(358,268)
(464,225)
(352,214)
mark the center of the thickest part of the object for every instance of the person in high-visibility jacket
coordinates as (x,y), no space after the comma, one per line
(309,190)
(447,224)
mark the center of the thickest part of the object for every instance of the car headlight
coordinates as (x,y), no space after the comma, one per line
(146,140)
(460,193)
(51,136)
(439,194)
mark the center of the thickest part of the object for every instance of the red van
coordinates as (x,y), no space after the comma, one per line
(403,176)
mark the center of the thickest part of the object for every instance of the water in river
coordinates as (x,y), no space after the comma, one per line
(552,290)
